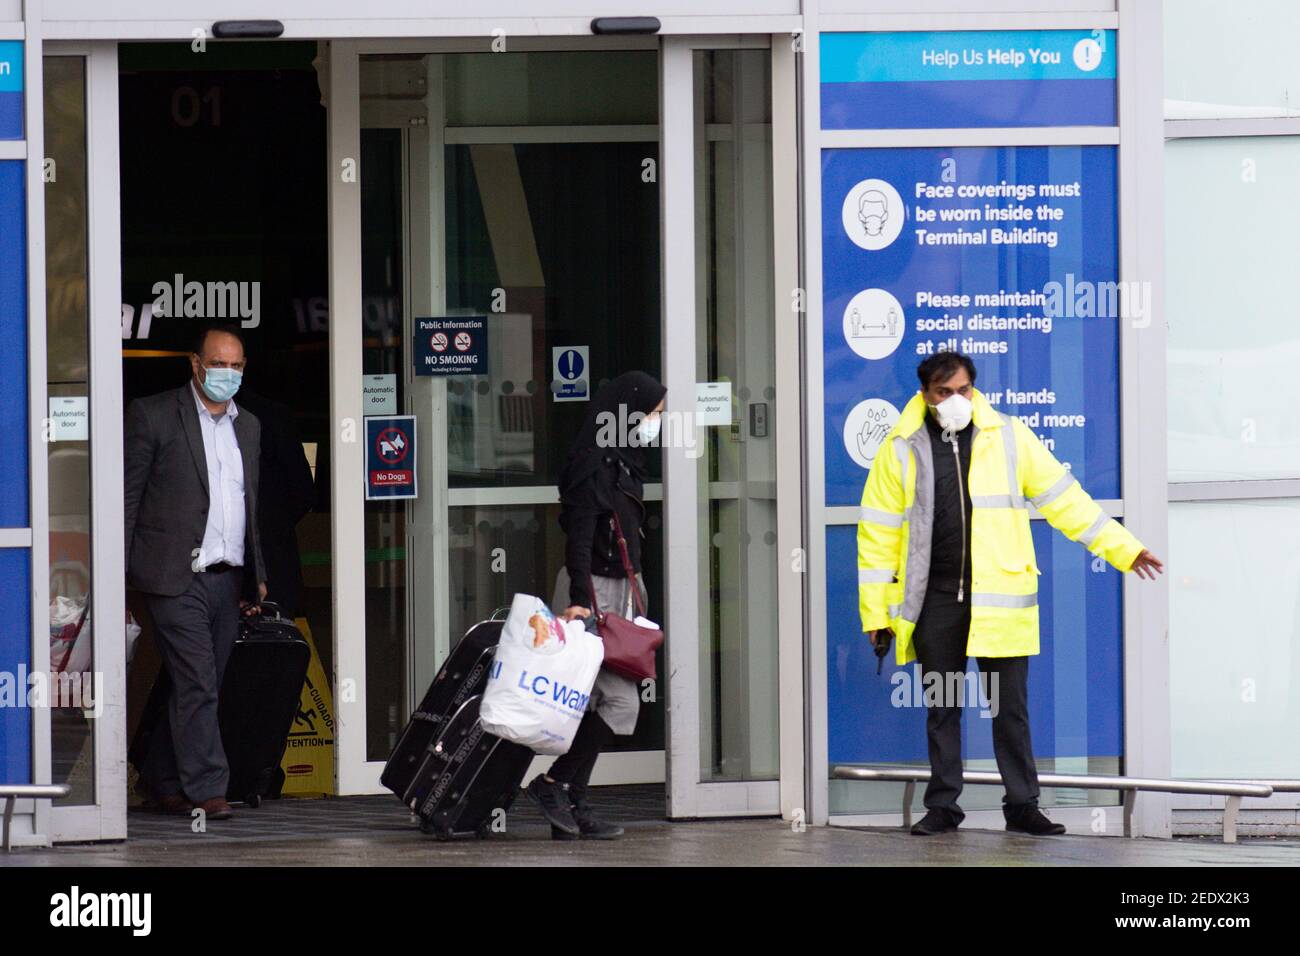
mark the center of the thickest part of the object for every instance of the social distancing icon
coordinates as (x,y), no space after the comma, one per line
(873,323)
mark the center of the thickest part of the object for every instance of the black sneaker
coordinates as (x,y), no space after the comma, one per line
(934,822)
(592,827)
(1032,821)
(558,834)
(553,800)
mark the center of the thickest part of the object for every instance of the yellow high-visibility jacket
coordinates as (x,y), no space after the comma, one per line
(1009,467)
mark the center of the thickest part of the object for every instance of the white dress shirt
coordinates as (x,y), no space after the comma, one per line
(223,538)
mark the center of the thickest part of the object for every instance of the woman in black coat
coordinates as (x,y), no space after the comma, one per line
(603,476)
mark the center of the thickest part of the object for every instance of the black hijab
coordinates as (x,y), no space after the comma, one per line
(629,393)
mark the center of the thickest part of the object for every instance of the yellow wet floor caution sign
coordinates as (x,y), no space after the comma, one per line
(308,762)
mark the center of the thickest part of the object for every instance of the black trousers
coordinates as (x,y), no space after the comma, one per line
(940,642)
(575,765)
(196,632)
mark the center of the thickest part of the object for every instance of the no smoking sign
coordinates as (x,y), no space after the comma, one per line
(451,345)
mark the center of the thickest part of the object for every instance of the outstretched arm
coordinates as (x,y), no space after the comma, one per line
(1056,493)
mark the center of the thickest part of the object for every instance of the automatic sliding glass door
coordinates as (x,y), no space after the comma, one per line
(529,195)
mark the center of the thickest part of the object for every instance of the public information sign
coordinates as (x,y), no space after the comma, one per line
(1008,254)
(451,345)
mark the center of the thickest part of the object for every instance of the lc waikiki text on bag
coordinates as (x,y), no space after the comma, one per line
(541,680)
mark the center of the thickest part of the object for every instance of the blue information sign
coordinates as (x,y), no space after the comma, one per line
(968,79)
(13,359)
(15,511)
(451,345)
(390,457)
(1007,254)
(11,89)
(1010,255)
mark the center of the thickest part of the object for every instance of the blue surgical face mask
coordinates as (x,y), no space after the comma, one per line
(221,384)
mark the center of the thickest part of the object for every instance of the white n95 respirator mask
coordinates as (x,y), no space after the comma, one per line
(954,412)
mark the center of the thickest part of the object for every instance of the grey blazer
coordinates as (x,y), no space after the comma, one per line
(166,484)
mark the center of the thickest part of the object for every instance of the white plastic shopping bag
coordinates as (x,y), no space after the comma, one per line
(541,679)
(70,644)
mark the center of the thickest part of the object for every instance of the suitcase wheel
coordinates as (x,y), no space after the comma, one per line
(483,830)
(254,800)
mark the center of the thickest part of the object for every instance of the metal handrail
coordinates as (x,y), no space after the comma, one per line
(1234,791)
(13,792)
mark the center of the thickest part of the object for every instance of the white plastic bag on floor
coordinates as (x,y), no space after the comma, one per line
(541,679)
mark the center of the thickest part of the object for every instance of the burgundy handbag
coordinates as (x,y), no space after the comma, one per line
(629,647)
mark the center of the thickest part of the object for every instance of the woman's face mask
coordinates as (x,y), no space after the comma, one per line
(648,430)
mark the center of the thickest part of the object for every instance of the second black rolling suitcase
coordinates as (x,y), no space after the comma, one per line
(260,696)
(457,778)
(463,675)
(468,778)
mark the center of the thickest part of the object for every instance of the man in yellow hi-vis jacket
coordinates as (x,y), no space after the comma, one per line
(946,563)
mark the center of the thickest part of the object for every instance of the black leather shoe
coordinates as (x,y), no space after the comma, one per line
(553,800)
(1031,821)
(933,823)
(592,827)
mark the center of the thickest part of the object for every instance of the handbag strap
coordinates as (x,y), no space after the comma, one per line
(627,564)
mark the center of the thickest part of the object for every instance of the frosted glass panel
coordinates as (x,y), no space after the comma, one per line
(1234,638)
(1231,59)
(1234,343)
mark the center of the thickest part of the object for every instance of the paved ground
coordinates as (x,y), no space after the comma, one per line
(369,831)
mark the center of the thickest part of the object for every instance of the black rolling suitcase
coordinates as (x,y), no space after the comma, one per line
(468,777)
(463,675)
(451,773)
(260,697)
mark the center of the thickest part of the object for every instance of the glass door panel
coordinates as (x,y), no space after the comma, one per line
(531,197)
(735,345)
(72,663)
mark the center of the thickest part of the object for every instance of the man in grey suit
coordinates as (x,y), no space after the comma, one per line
(192,546)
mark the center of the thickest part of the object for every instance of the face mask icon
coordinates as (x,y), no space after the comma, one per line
(873,212)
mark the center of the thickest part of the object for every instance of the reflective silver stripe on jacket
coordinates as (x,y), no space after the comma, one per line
(1009,448)
(876,516)
(1089,536)
(988,599)
(920,524)
(900,451)
(874,576)
(992,501)
(1051,494)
